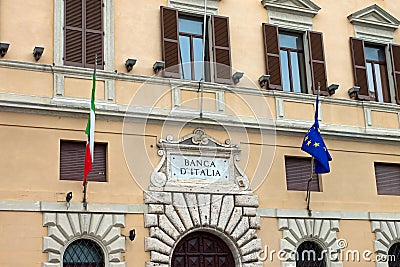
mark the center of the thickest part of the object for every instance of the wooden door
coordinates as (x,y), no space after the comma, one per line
(202,249)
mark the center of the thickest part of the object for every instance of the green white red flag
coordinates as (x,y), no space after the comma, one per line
(89,155)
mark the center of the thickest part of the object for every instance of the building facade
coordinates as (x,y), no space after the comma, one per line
(201,110)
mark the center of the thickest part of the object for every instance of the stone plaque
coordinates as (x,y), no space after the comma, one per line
(199,167)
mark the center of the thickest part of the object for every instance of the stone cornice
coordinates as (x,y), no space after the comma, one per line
(374,16)
(305,7)
(76,207)
(68,107)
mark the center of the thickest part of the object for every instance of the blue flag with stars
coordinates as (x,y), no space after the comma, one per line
(314,145)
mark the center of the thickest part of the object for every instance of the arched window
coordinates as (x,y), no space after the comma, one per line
(310,254)
(394,255)
(83,253)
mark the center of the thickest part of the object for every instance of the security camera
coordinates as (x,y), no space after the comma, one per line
(332,88)
(263,80)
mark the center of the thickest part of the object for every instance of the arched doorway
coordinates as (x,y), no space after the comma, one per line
(202,249)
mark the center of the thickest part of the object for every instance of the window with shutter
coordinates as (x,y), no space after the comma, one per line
(387,178)
(83,33)
(298,173)
(370,70)
(72,157)
(285,60)
(182,46)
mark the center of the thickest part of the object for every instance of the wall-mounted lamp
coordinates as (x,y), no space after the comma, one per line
(263,80)
(332,88)
(4,49)
(38,52)
(353,91)
(237,76)
(159,65)
(129,63)
(132,235)
(68,197)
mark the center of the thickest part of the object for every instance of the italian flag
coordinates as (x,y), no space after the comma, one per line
(89,156)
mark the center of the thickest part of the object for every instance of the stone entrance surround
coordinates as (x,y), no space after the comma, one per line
(172,215)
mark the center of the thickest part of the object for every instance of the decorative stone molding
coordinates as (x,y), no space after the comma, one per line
(172,215)
(64,228)
(386,234)
(293,14)
(195,6)
(323,232)
(198,186)
(228,178)
(374,24)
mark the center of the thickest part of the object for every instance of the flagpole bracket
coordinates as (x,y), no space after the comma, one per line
(84,202)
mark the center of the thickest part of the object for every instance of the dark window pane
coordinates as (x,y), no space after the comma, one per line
(378,86)
(394,255)
(83,252)
(379,96)
(191,25)
(370,74)
(291,40)
(374,53)
(184,48)
(310,254)
(285,71)
(302,72)
(294,64)
(191,48)
(198,58)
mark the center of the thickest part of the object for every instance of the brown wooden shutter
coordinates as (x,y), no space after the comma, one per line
(72,157)
(272,58)
(170,42)
(222,52)
(73,33)
(387,178)
(83,33)
(395,57)
(317,57)
(297,174)
(94,33)
(359,68)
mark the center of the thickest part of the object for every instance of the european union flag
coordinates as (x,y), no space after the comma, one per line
(314,145)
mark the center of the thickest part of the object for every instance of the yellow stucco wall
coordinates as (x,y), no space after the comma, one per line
(30,142)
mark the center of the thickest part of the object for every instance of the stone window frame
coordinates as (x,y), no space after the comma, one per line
(67,227)
(386,234)
(297,230)
(297,18)
(58,49)
(379,30)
